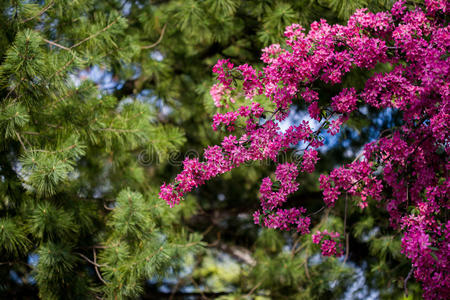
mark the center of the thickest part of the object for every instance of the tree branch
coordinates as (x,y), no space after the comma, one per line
(158,41)
(95,34)
(21,142)
(96,268)
(405,283)
(345,230)
(63,67)
(83,40)
(39,13)
(240,253)
(254,289)
(88,260)
(106,207)
(56,44)
(346,248)
(306,267)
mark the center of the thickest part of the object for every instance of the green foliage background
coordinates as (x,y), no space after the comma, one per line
(99,103)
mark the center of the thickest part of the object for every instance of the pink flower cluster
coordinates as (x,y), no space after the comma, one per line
(271,215)
(329,243)
(251,84)
(223,88)
(217,92)
(355,179)
(405,171)
(310,158)
(223,70)
(345,102)
(253,113)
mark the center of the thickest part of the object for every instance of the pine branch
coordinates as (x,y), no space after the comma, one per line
(31,132)
(84,40)
(175,288)
(56,151)
(202,294)
(40,13)
(21,142)
(107,208)
(96,268)
(64,67)
(56,44)
(158,41)
(95,34)
(254,289)
(118,130)
(90,261)
(11,263)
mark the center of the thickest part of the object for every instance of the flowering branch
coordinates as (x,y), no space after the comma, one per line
(394,170)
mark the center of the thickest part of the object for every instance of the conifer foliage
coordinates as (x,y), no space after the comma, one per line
(75,216)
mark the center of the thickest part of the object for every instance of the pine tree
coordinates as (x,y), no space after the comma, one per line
(77,216)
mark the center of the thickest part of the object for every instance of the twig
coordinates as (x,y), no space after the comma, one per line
(207,230)
(301,248)
(83,40)
(116,130)
(56,44)
(100,247)
(316,133)
(107,208)
(16,262)
(12,90)
(199,289)
(21,142)
(346,248)
(238,252)
(358,157)
(63,67)
(95,34)
(88,260)
(345,213)
(254,289)
(294,246)
(316,212)
(26,141)
(56,151)
(405,283)
(96,268)
(39,13)
(31,132)
(306,268)
(175,288)
(158,41)
(345,230)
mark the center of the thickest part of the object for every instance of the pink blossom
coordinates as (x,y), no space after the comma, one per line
(406,167)
(309,160)
(328,244)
